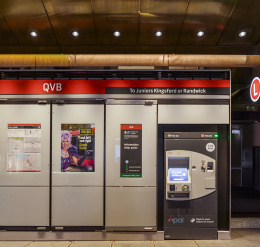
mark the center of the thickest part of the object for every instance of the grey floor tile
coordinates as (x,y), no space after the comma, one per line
(175,243)
(133,244)
(50,244)
(235,235)
(211,243)
(249,234)
(242,243)
(91,244)
(14,243)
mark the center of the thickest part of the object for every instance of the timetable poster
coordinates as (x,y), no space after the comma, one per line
(77,147)
(131,150)
(24,148)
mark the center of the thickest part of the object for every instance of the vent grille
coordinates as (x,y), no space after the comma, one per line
(115,75)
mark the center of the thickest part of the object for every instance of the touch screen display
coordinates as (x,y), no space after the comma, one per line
(178,174)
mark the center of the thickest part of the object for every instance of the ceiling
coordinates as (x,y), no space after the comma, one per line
(136,20)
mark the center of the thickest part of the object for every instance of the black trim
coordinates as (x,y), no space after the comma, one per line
(194,101)
(79,228)
(25,101)
(104,157)
(50,189)
(23,228)
(78,101)
(66,74)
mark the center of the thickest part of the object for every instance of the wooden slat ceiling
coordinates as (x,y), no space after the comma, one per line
(136,20)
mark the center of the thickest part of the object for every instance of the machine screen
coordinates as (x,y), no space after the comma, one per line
(178,174)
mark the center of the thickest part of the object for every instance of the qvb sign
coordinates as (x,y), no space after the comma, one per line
(255,89)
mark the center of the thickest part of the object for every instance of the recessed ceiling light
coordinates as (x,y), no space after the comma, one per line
(242,34)
(33,34)
(117,34)
(200,33)
(75,33)
(158,34)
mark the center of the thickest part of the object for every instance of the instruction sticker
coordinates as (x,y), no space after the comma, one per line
(210,147)
(24,148)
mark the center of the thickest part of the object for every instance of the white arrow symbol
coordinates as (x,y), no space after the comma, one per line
(255,93)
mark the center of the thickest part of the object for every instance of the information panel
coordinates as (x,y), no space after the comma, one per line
(131,150)
(77,147)
(24,148)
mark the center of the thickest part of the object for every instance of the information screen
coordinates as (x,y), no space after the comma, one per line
(178,174)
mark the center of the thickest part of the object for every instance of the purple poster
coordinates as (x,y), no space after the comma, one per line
(77,148)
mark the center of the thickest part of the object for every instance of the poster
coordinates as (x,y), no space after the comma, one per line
(131,150)
(24,148)
(77,147)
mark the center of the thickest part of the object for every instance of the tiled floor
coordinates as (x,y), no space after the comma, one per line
(239,238)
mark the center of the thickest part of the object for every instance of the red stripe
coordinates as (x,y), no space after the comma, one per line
(96,86)
(131,126)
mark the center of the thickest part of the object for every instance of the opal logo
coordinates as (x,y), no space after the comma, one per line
(192,220)
(176,220)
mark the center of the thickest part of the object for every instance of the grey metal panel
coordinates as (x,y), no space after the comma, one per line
(161,15)
(25,114)
(117,15)
(206,15)
(130,206)
(193,114)
(77,206)
(25,16)
(67,16)
(245,17)
(77,114)
(200,183)
(131,114)
(24,206)
(224,235)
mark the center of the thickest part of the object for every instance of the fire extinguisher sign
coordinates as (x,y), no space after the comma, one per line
(255,89)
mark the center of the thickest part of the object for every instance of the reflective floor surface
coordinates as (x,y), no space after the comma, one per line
(239,237)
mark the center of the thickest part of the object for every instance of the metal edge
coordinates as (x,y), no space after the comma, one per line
(224,235)
(8,97)
(131,229)
(130,102)
(80,236)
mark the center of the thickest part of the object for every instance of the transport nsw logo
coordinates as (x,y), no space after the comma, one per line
(255,89)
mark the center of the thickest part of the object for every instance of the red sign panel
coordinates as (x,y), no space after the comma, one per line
(131,126)
(19,87)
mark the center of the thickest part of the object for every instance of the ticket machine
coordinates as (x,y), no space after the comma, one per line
(190,185)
